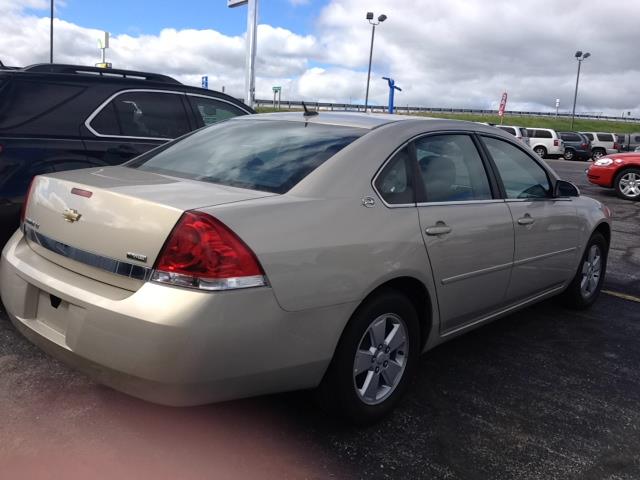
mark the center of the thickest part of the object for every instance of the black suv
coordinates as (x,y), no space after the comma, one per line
(576,146)
(61,117)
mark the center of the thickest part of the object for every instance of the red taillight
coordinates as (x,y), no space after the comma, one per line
(556,143)
(202,252)
(584,145)
(23,209)
(616,146)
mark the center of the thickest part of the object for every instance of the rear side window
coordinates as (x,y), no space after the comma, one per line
(605,137)
(394,183)
(211,110)
(143,115)
(451,169)
(510,130)
(637,138)
(267,155)
(543,134)
(570,137)
(521,175)
(25,100)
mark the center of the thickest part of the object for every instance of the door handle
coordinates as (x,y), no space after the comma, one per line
(440,228)
(526,220)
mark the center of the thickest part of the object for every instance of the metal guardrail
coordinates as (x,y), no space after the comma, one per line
(289,104)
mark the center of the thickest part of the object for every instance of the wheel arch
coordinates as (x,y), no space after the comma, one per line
(416,291)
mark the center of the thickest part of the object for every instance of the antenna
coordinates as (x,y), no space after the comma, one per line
(307,112)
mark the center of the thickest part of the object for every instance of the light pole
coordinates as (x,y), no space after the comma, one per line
(580,57)
(51,36)
(373,23)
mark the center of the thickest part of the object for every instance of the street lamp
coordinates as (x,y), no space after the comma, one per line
(373,23)
(580,57)
(51,36)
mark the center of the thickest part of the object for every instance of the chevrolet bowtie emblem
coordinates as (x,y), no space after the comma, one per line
(71,215)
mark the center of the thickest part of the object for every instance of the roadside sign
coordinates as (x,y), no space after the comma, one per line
(236,3)
(557,102)
(205,82)
(276,89)
(503,104)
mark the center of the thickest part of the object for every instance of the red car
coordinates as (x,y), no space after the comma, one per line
(620,171)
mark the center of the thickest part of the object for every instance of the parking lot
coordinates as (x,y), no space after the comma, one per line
(543,393)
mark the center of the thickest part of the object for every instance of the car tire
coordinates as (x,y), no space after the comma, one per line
(597,153)
(587,284)
(627,184)
(541,151)
(569,154)
(343,390)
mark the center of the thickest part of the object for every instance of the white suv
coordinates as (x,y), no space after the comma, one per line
(519,132)
(602,144)
(545,141)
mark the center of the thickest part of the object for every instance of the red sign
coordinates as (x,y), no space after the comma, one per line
(503,104)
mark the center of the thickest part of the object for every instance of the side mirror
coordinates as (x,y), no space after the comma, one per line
(562,188)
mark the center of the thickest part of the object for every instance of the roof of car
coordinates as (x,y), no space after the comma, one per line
(346,119)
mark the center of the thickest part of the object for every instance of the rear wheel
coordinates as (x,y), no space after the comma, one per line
(586,285)
(597,153)
(627,184)
(569,154)
(541,151)
(374,359)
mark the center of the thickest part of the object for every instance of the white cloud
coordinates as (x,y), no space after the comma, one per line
(461,53)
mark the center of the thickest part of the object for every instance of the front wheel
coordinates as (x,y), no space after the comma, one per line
(586,285)
(374,359)
(627,184)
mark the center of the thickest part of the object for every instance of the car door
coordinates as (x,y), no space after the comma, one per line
(133,122)
(467,229)
(546,228)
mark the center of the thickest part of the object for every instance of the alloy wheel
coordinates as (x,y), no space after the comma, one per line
(630,185)
(380,359)
(591,272)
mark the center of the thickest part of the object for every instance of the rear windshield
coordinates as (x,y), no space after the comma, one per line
(267,155)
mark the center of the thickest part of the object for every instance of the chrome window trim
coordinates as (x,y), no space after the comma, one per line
(96,112)
(111,265)
(459,202)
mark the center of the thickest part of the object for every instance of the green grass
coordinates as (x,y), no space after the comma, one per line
(559,124)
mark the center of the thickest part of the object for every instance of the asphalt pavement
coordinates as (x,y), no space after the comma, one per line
(544,393)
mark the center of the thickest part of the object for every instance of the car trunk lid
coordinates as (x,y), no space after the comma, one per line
(111,223)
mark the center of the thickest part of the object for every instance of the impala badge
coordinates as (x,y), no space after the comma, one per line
(137,256)
(71,215)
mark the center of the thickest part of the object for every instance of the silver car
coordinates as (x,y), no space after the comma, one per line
(289,251)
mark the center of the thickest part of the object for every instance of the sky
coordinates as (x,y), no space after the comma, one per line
(442,53)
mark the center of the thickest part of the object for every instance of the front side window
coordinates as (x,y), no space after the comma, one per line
(143,115)
(451,169)
(521,175)
(394,183)
(266,155)
(213,111)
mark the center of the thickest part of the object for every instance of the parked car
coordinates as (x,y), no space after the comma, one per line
(602,143)
(62,117)
(519,132)
(620,172)
(545,142)
(576,146)
(290,251)
(628,142)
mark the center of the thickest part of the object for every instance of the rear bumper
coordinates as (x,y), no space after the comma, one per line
(168,345)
